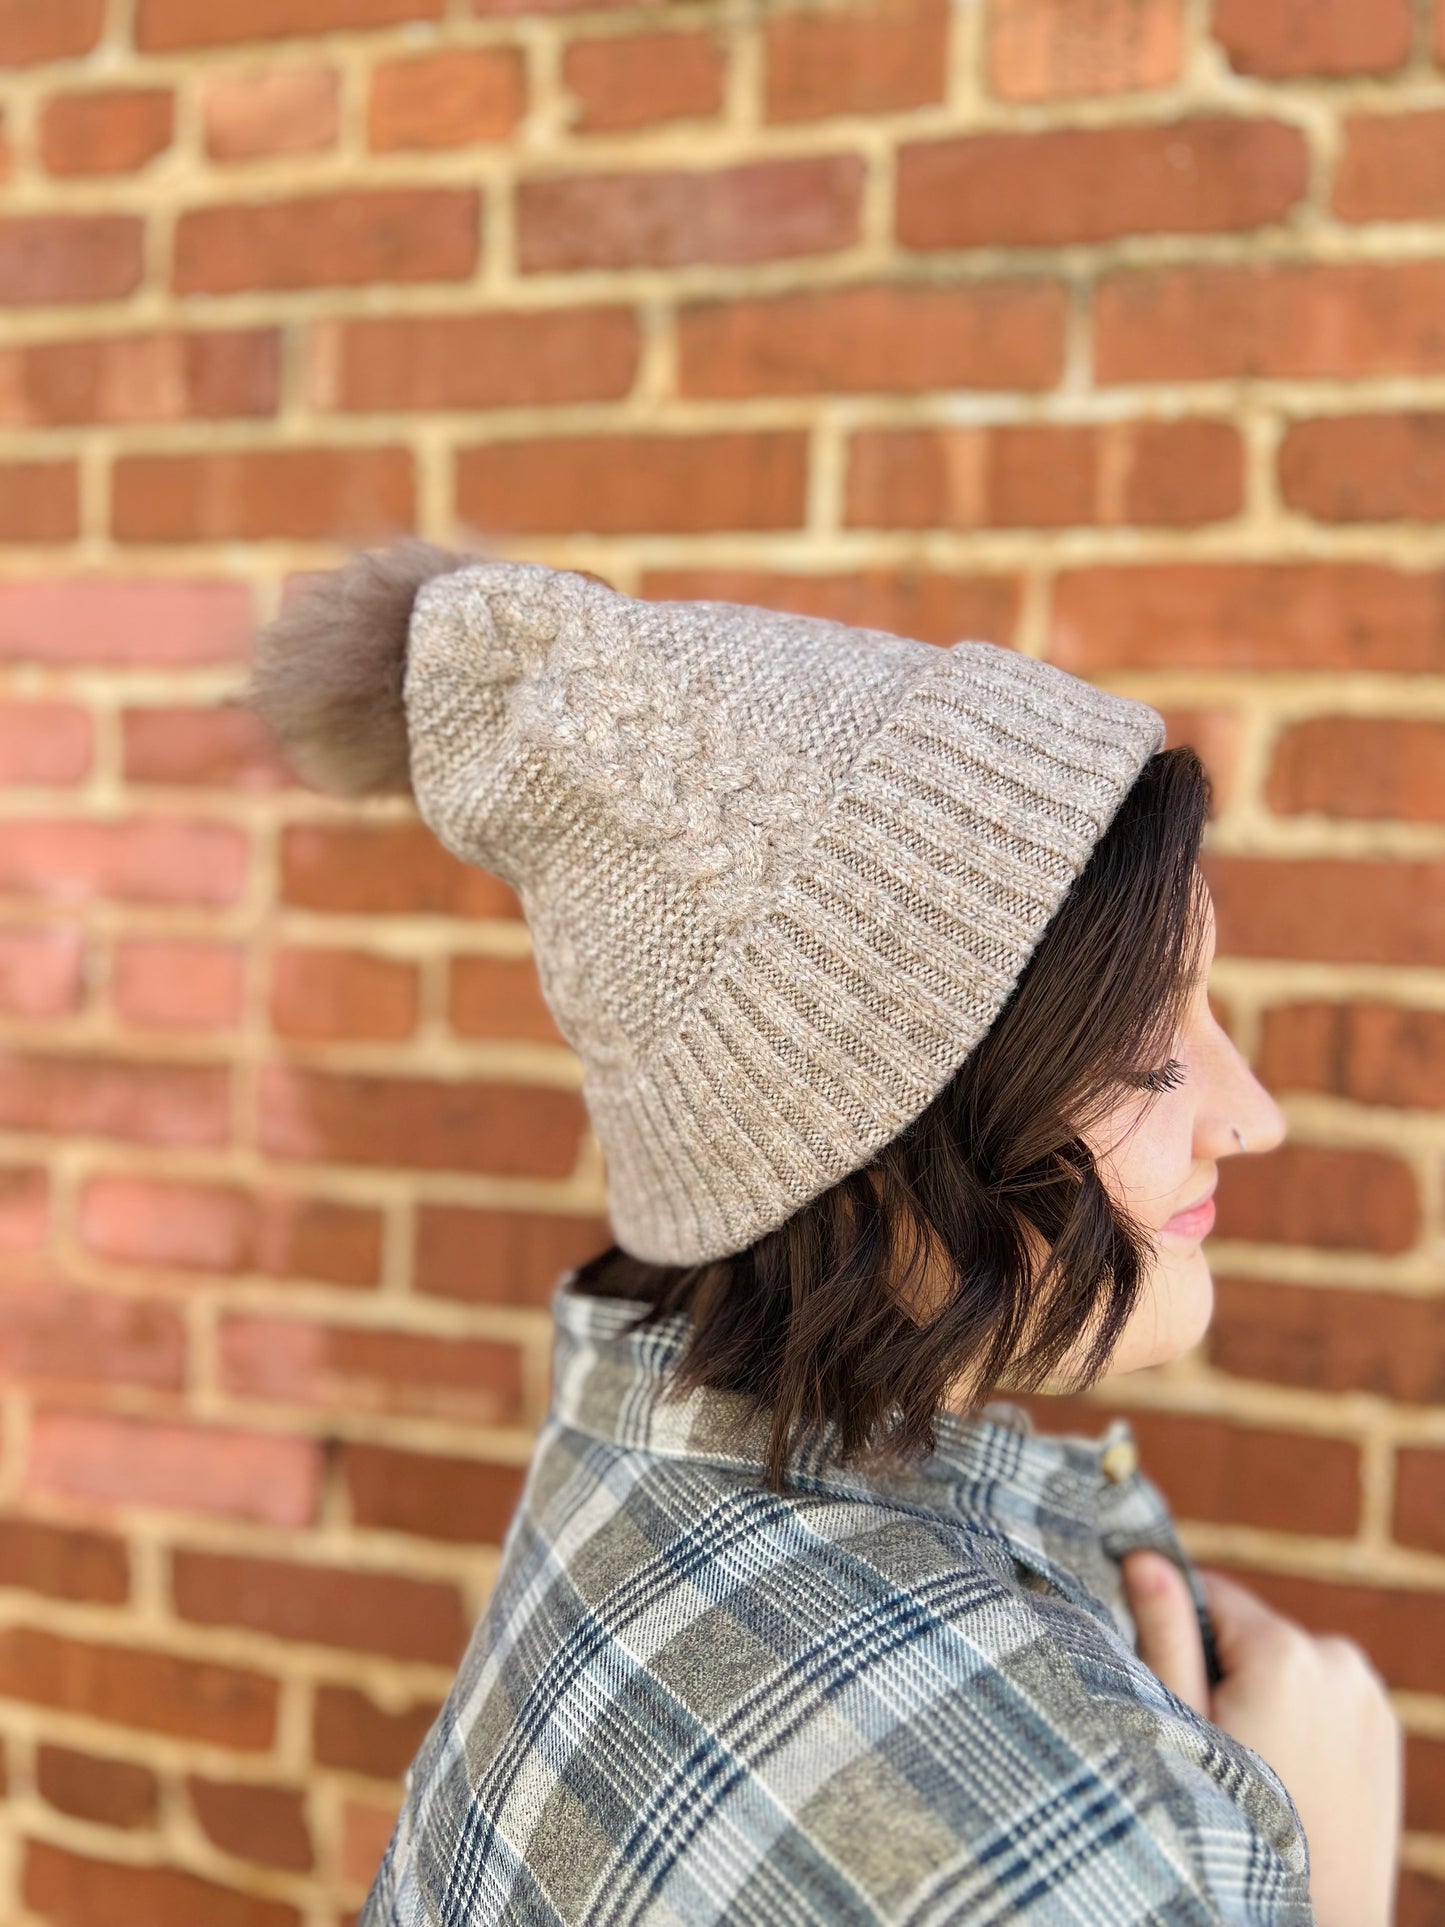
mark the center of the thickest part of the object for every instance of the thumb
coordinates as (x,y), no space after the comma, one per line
(1170,1643)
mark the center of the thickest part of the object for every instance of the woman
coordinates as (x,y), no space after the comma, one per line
(888,968)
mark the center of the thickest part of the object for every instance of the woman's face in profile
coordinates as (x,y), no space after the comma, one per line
(1161,1155)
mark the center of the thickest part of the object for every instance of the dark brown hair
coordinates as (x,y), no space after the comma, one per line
(823,1320)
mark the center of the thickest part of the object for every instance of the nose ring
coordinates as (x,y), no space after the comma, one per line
(1236,1130)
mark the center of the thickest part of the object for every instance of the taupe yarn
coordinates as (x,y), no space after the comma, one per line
(780,873)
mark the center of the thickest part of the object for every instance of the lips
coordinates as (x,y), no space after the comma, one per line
(1195,1219)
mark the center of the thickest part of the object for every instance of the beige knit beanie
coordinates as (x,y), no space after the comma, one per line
(780,874)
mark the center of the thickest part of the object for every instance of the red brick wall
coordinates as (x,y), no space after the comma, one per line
(1111,329)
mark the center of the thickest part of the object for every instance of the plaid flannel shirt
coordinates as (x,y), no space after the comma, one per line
(906,1696)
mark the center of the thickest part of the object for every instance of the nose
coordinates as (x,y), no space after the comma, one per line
(1243,1105)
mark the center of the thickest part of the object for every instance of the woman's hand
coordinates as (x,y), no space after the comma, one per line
(1313,1708)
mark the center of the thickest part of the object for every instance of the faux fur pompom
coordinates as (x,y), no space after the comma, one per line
(328,670)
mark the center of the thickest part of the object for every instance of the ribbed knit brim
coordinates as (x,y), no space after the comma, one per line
(842,1015)
(917,876)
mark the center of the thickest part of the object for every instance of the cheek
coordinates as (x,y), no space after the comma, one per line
(1146,1160)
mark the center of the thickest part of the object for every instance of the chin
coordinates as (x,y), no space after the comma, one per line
(1173,1315)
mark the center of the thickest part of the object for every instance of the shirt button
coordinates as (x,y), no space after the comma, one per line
(1119,1461)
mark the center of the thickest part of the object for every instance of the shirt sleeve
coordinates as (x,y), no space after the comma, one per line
(1156,1814)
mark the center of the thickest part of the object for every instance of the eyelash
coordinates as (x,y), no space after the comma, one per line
(1167,1078)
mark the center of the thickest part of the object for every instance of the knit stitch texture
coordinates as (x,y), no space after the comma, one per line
(781,874)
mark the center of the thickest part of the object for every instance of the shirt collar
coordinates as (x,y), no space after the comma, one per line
(1057,1494)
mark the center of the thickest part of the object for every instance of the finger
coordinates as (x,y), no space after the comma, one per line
(1237,1615)
(1170,1642)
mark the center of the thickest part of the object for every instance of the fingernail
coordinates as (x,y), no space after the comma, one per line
(1147,1572)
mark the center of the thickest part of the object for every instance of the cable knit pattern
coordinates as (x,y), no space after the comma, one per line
(780,873)
(721,812)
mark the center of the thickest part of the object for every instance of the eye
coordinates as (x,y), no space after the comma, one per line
(1165,1078)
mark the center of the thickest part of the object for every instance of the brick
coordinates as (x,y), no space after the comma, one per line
(119,622)
(354,1369)
(266,1824)
(1330,1339)
(369,870)
(63,1562)
(51,1335)
(1046,476)
(366,1828)
(430,1496)
(1330,910)
(757,211)
(228,1229)
(636,483)
(627,81)
(419,1123)
(450,99)
(1419,1899)
(24,1208)
(320,1238)
(1311,615)
(1290,320)
(44,742)
(1058,49)
(882,57)
(41,972)
(1282,39)
(131,1686)
(1419,1514)
(1391,167)
(190,1468)
(498,997)
(48,1334)
(500,1257)
(39,501)
(110,1793)
(349,1608)
(1424,1783)
(157,1223)
(511,359)
(178,986)
(929,605)
(1364,1052)
(1210,1470)
(1365,468)
(132,860)
(910,339)
(164,375)
(268,111)
(1328,1197)
(164,25)
(346,239)
(255,494)
(60,30)
(222,748)
(1359,766)
(352,1731)
(73,1890)
(48,258)
(1193,176)
(108,1097)
(342,993)
(115,132)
